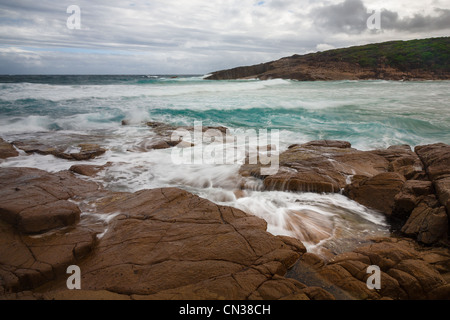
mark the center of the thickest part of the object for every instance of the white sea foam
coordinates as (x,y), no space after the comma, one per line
(75,92)
(370,116)
(26,124)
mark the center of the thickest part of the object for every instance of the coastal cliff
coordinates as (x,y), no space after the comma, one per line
(427,59)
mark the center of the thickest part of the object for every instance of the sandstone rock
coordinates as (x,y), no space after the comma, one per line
(159,243)
(328,144)
(166,130)
(428,278)
(302,182)
(35,201)
(427,224)
(405,274)
(193,242)
(408,283)
(169,244)
(86,151)
(378,192)
(28,262)
(85,295)
(340,277)
(440,293)
(436,158)
(7,150)
(164,138)
(157,145)
(88,170)
(443,192)
(403,161)
(387,254)
(413,192)
(321,166)
(35,147)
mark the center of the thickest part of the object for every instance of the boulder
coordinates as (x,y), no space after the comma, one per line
(412,193)
(319,166)
(378,192)
(403,161)
(88,170)
(428,225)
(88,151)
(436,159)
(7,150)
(443,192)
(35,201)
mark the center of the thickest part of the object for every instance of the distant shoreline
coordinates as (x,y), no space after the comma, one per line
(426,59)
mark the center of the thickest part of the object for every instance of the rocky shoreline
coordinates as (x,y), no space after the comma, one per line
(169,244)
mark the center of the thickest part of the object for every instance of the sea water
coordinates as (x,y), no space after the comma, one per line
(370,114)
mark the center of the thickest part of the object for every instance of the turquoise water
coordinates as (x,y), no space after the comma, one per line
(69,110)
(367,113)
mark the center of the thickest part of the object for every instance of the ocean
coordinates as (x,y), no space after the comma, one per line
(370,114)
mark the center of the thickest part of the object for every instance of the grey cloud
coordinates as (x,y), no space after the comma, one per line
(351,17)
(391,21)
(180,36)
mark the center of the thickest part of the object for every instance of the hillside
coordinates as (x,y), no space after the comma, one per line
(427,59)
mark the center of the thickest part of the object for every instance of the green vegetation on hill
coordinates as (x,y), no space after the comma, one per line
(425,59)
(430,54)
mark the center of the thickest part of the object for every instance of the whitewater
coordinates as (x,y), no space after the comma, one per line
(369,114)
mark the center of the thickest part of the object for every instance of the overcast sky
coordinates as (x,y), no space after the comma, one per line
(197,36)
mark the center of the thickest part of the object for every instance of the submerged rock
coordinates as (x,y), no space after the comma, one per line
(328,144)
(165,138)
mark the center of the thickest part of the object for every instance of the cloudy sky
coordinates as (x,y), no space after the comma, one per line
(196,36)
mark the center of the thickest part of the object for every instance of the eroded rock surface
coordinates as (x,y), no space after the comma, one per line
(319,166)
(158,244)
(7,150)
(408,271)
(170,244)
(35,201)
